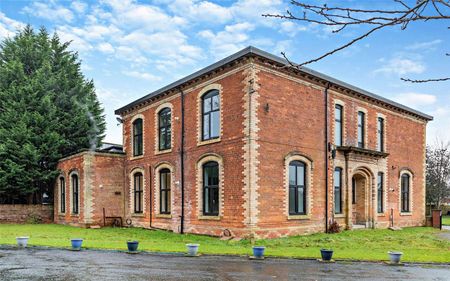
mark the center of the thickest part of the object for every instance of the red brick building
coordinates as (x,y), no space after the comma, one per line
(250,147)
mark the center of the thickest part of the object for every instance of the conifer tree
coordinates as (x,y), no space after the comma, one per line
(48,109)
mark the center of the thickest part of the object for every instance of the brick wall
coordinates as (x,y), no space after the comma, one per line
(101,181)
(26,213)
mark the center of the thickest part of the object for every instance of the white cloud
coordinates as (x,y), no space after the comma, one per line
(9,27)
(78,6)
(424,45)
(291,29)
(50,11)
(201,11)
(142,75)
(401,66)
(415,100)
(231,39)
(105,48)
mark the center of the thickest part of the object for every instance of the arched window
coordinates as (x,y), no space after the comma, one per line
(337,190)
(137,138)
(138,192)
(338,124)
(75,194)
(297,188)
(164,191)
(211,189)
(361,128)
(164,128)
(62,194)
(211,115)
(405,184)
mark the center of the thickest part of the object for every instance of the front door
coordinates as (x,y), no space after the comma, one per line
(359,200)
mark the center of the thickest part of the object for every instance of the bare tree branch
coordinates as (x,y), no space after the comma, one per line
(425,80)
(375,19)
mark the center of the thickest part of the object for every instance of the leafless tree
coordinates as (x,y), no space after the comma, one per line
(340,18)
(438,173)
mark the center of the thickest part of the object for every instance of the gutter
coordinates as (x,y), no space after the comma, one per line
(182,163)
(326,156)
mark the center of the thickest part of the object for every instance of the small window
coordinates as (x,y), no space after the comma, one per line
(353,191)
(62,193)
(211,115)
(405,183)
(211,189)
(138,192)
(164,191)
(75,194)
(338,191)
(380,187)
(165,128)
(297,188)
(338,125)
(380,134)
(361,132)
(137,138)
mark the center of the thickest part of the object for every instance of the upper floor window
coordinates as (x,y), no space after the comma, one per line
(138,192)
(211,189)
(338,125)
(380,134)
(211,115)
(164,128)
(75,194)
(361,132)
(337,190)
(164,191)
(137,137)
(380,187)
(297,188)
(62,194)
(405,184)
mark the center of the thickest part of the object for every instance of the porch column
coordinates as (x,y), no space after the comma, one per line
(348,195)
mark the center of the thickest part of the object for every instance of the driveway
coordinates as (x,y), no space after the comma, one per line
(56,264)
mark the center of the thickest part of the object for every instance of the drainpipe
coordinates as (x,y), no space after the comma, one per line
(151,193)
(182,163)
(326,156)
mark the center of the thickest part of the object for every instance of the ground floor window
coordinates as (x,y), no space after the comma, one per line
(211,189)
(380,185)
(62,192)
(75,194)
(338,190)
(405,184)
(138,192)
(297,188)
(164,191)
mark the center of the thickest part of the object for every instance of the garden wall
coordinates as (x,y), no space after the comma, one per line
(26,213)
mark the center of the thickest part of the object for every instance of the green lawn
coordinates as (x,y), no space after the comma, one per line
(445,220)
(418,243)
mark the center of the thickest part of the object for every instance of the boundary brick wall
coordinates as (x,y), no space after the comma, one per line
(21,213)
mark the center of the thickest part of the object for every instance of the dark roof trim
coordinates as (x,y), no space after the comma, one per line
(255,51)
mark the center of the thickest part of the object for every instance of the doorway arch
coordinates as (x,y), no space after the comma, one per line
(362,205)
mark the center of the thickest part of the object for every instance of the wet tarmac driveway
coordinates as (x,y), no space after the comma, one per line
(56,264)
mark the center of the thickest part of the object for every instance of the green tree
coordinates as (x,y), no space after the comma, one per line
(48,109)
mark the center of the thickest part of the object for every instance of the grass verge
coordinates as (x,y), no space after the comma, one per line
(419,244)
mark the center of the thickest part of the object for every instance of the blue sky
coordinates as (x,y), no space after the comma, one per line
(131,48)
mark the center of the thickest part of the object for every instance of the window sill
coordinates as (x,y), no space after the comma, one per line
(137,157)
(213,218)
(61,214)
(210,141)
(75,215)
(405,213)
(381,215)
(163,216)
(299,217)
(339,215)
(158,152)
(139,215)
